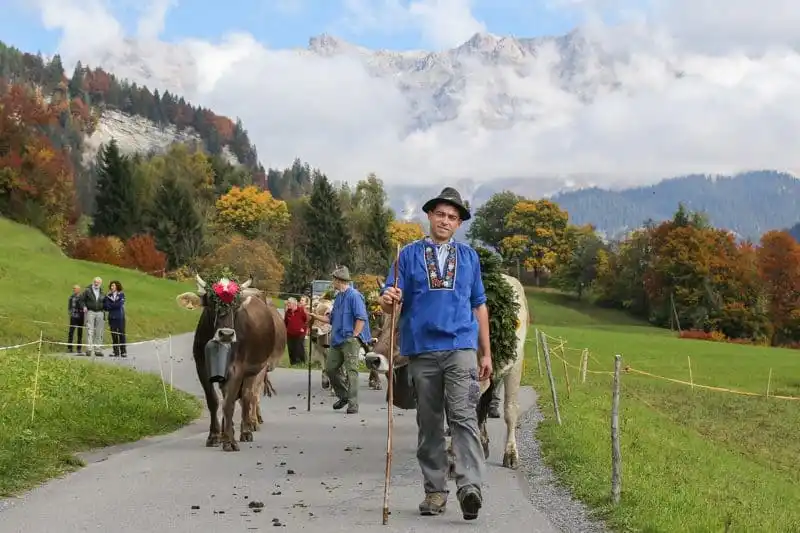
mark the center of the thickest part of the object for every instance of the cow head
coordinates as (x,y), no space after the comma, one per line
(321,331)
(378,357)
(220,308)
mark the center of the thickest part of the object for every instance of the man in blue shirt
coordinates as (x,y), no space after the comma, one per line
(349,331)
(442,323)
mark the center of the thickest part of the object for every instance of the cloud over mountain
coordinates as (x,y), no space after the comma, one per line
(685,87)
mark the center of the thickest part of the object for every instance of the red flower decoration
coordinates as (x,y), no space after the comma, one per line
(226,292)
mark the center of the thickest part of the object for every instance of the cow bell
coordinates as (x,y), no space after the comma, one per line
(218,355)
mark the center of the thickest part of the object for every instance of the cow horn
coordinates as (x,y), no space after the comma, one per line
(201,285)
(247,283)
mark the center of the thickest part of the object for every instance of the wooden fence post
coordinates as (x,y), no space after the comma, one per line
(584,364)
(538,359)
(616,454)
(550,376)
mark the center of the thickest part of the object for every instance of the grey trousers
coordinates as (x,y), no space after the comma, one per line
(95,327)
(447,380)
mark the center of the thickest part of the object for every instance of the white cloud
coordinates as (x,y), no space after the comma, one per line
(440,23)
(734,108)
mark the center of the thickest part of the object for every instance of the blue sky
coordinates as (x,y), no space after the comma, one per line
(278,26)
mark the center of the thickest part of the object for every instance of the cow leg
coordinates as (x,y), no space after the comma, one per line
(483,414)
(249,406)
(511,411)
(374,380)
(233,389)
(212,401)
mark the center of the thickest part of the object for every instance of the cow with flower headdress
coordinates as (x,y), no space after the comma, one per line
(240,337)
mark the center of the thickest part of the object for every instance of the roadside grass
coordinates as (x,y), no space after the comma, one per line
(79,405)
(692,460)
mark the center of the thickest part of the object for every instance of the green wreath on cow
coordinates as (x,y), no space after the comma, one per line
(503,306)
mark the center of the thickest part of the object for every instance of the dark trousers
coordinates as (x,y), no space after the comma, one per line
(117,327)
(297,350)
(75,324)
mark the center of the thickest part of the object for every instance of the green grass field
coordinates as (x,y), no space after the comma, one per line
(79,405)
(693,460)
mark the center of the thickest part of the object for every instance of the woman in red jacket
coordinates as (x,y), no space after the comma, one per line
(296,320)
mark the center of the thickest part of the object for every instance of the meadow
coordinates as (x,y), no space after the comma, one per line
(79,405)
(692,459)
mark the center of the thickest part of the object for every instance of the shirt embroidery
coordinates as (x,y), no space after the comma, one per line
(438,280)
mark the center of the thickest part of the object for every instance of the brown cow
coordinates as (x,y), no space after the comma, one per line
(254,335)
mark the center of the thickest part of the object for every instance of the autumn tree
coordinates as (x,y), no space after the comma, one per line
(252,212)
(176,223)
(36,180)
(116,205)
(779,268)
(402,233)
(577,266)
(538,235)
(328,235)
(489,224)
(247,257)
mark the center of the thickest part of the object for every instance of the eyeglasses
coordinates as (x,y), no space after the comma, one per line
(448,216)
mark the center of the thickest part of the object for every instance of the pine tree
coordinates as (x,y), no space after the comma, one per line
(376,238)
(176,223)
(116,207)
(328,237)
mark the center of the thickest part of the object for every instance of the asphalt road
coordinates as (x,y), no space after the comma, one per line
(318,471)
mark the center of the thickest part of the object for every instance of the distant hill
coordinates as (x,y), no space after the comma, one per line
(795,230)
(748,204)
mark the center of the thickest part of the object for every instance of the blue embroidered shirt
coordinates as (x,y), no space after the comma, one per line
(439,297)
(348,306)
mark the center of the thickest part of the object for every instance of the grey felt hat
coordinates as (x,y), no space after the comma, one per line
(342,273)
(450,196)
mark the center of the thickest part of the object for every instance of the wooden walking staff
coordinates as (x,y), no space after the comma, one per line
(308,407)
(390,394)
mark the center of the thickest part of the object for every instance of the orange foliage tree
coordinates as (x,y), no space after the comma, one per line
(141,253)
(402,233)
(779,267)
(108,250)
(36,180)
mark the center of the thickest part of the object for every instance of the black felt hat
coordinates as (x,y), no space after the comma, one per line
(449,196)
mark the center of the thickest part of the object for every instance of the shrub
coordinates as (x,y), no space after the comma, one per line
(141,253)
(696,334)
(247,257)
(106,250)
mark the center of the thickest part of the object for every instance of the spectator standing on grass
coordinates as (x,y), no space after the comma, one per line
(93,298)
(114,303)
(76,318)
(296,321)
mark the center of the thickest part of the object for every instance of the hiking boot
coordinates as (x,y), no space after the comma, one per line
(339,404)
(433,504)
(352,409)
(494,412)
(470,500)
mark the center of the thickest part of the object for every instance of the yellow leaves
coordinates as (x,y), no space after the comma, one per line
(403,233)
(249,209)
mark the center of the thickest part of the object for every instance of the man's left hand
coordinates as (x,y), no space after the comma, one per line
(485,366)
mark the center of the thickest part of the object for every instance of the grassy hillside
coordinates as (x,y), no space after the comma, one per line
(693,459)
(36,279)
(79,405)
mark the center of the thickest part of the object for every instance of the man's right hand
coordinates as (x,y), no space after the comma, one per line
(391,296)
